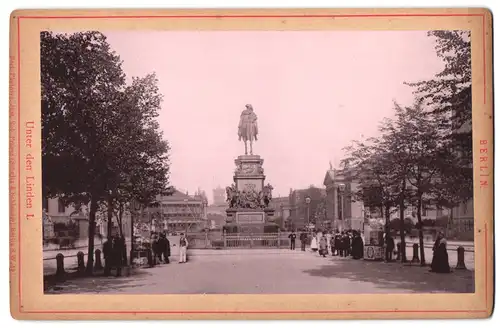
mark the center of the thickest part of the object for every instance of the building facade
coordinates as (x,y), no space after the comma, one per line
(342,209)
(61,215)
(306,208)
(348,213)
(179,212)
(219,196)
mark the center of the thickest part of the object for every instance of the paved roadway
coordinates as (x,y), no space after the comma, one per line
(70,261)
(279,272)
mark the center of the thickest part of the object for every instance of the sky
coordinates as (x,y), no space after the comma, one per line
(313,93)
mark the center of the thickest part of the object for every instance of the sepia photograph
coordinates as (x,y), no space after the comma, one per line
(257,162)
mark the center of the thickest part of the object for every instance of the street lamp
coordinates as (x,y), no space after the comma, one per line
(308,204)
(341,191)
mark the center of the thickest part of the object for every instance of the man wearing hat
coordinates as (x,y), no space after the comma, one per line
(183,245)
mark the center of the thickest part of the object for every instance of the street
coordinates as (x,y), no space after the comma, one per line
(277,271)
(70,260)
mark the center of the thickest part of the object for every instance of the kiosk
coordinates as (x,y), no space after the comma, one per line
(374,249)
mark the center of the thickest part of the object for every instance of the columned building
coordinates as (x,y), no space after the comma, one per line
(342,209)
(352,213)
(179,212)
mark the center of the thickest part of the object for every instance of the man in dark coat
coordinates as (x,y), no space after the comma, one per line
(338,244)
(118,250)
(389,247)
(292,237)
(155,248)
(164,248)
(303,241)
(344,244)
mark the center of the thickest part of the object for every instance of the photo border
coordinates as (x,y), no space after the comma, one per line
(482,190)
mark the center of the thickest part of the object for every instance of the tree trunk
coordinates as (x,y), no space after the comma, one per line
(420,229)
(110,217)
(120,227)
(387,219)
(119,219)
(402,222)
(90,259)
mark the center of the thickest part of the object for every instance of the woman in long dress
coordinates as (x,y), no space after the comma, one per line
(314,243)
(440,263)
(323,246)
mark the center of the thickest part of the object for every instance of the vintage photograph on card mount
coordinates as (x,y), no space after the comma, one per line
(195,159)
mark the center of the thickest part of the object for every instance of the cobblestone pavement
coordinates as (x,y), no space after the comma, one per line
(285,272)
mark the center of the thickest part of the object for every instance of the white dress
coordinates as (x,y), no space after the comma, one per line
(314,243)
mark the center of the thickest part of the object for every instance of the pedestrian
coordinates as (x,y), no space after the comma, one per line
(338,244)
(155,248)
(323,246)
(117,255)
(165,248)
(357,246)
(344,244)
(440,263)
(292,237)
(314,243)
(389,247)
(303,240)
(183,245)
(329,241)
(332,244)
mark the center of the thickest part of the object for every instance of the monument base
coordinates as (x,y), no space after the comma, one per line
(250,221)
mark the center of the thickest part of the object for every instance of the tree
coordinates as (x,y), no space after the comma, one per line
(380,166)
(101,141)
(449,93)
(80,76)
(424,141)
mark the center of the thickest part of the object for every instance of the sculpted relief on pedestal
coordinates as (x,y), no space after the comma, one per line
(249,169)
(249,197)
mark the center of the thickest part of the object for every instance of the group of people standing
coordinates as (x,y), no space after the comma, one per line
(343,244)
(161,249)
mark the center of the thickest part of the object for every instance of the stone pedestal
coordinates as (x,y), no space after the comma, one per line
(250,212)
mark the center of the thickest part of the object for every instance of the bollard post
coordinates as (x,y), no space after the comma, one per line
(460,259)
(415,258)
(60,266)
(81,262)
(224,238)
(398,255)
(98,261)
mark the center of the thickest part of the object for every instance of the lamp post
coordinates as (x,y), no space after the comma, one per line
(342,216)
(308,205)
